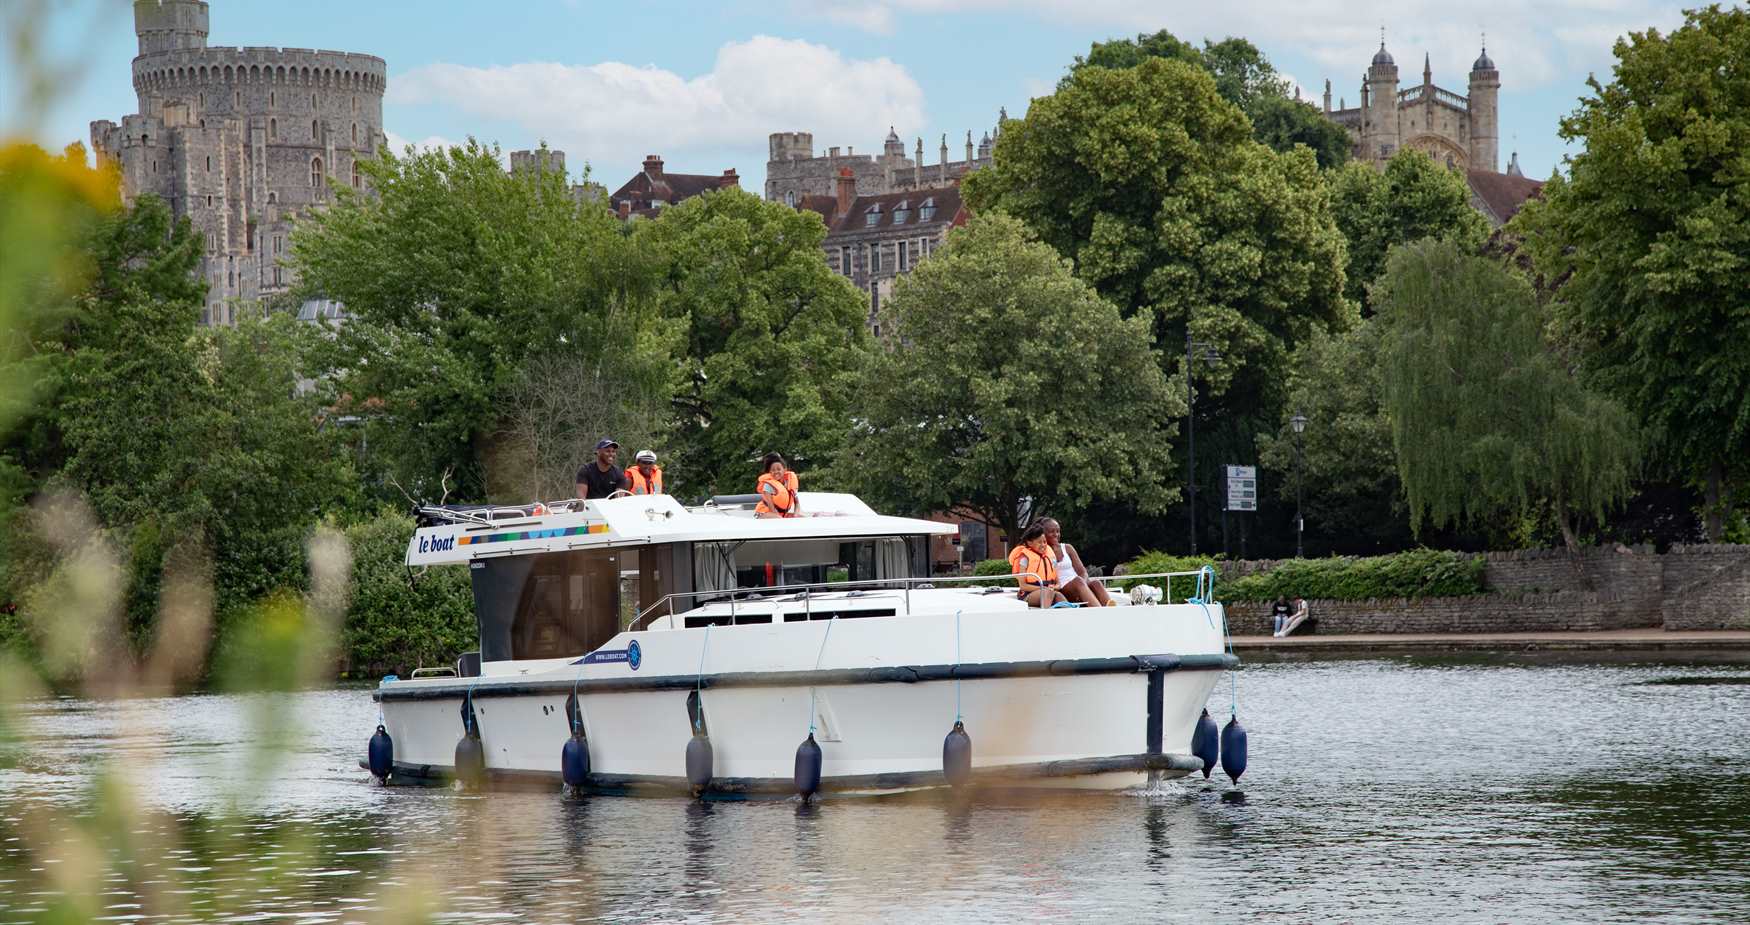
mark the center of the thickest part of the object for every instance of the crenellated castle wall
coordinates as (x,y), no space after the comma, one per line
(242,141)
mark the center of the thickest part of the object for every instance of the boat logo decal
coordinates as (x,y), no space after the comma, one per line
(632,655)
(479,539)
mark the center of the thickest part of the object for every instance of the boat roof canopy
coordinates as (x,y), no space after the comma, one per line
(643,520)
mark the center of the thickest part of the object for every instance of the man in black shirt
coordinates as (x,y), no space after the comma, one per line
(602,478)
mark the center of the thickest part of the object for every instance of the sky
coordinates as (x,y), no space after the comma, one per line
(704,84)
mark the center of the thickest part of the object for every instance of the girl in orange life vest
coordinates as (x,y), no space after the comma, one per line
(645,478)
(777,489)
(1036,573)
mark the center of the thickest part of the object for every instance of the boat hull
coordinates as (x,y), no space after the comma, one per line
(1096,721)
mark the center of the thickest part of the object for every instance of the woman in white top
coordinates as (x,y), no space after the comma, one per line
(1072,575)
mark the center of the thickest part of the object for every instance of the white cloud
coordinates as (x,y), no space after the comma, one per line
(1535,43)
(399,144)
(613,112)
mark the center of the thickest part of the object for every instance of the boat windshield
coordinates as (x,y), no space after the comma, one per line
(741,565)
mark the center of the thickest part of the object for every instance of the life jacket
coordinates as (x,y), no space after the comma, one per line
(777,494)
(643,486)
(1024,561)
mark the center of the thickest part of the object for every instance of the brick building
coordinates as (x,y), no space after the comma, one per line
(653,188)
(872,239)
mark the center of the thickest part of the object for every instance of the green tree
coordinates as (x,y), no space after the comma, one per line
(1485,419)
(1413,198)
(456,272)
(1150,183)
(769,336)
(1244,77)
(180,437)
(1282,123)
(1350,491)
(1649,237)
(1010,380)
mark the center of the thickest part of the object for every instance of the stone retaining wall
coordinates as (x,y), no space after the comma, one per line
(1607,588)
(1707,588)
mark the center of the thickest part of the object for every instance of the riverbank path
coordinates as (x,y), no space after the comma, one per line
(1633,640)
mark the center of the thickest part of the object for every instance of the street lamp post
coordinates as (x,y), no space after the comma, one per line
(1298,422)
(1210,355)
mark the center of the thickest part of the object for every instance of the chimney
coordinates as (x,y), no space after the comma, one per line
(653,166)
(847,194)
(728,179)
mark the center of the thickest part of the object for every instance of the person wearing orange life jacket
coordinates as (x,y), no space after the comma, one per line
(777,489)
(1030,561)
(645,476)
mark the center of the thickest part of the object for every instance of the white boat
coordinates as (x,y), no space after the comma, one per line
(647,623)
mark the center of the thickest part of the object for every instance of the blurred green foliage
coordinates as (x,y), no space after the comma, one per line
(400,619)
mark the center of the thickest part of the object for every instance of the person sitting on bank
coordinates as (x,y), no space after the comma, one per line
(645,476)
(1294,621)
(1031,564)
(602,478)
(1279,614)
(1072,575)
(777,488)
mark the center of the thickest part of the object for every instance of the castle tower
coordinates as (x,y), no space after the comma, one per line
(1379,109)
(241,141)
(169,25)
(1327,96)
(893,147)
(1485,127)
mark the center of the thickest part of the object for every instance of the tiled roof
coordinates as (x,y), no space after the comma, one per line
(945,201)
(818,203)
(641,192)
(1502,194)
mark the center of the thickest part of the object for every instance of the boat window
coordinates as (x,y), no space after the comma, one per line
(553,605)
(743,565)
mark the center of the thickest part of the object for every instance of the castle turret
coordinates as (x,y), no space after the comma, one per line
(168,25)
(1485,130)
(1379,104)
(1327,95)
(893,147)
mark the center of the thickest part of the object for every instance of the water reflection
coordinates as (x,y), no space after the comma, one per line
(1379,791)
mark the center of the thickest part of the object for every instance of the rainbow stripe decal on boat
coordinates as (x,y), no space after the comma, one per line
(480,539)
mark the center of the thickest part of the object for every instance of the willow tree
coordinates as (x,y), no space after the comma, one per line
(1649,239)
(1485,418)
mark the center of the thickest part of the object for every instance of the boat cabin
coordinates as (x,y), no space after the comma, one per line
(559,581)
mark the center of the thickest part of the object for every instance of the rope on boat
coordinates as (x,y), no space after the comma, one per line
(817,657)
(1205,593)
(957,716)
(699,682)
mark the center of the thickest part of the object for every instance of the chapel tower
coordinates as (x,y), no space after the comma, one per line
(1379,108)
(1485,130)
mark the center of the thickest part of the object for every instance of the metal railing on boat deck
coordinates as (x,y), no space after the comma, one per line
(806,591)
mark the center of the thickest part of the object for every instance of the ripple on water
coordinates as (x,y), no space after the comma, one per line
(1378,791)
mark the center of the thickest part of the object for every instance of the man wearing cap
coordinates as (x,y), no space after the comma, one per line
(645,475)
(602,478)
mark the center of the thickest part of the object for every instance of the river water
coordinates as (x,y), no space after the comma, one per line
(1403,790)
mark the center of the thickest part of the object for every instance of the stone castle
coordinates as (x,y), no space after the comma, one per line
(1461,131)
(794,172)
(241,141)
